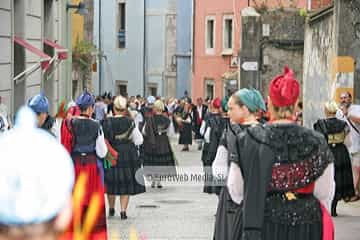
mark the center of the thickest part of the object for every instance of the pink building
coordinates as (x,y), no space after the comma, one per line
(316,4)
(217,42)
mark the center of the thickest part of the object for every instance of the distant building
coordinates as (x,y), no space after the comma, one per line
(216,35)
(138,51)
(184,47)
(82,31)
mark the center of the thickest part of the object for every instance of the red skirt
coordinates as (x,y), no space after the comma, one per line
(94,184)
(88,165)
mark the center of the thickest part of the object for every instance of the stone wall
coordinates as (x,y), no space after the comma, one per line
(318,56)
(348,35)
(332,57)
(284,45)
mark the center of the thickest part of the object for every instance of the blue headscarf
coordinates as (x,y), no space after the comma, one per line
(39,103)
(85,100)
(151,100)
(251,98)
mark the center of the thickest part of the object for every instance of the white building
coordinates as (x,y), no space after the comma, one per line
(31,58)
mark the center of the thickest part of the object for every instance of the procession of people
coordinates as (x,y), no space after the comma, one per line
(282,180)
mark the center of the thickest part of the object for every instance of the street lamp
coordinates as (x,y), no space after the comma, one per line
(81,8)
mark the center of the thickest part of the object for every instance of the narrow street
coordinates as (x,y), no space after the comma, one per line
(184,212)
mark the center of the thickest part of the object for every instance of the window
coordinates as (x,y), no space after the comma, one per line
(209,89)
(152,89)
(121,33)
(228,33)
(210,35)
(121,88)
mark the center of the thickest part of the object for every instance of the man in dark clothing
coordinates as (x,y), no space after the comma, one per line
(199,112)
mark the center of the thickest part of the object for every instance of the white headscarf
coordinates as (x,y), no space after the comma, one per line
(36,174)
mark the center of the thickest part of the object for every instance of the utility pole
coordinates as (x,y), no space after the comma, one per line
(250,53)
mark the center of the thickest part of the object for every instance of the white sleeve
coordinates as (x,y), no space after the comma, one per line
(325,187)
(207,135)
(187,120)
(202,128)
(340,115)
(101,148)
(56,129)
(136,137)
(235,183)
(138,119)
(143,129)
(171,130)
(220,164)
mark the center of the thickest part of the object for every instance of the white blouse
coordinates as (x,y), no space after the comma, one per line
(205,132)
(220,164)
(137,137)
(100,147)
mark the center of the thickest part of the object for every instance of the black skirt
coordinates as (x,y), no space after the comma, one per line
(228,213)
(296,220)
(127,177)
(197,131)
(211,185)
(344,186)
(185,134)
(159,165)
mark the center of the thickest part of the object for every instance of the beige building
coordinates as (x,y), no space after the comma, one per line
(34,57)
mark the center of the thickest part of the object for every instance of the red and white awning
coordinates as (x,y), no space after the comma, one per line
(61,52)
(46,61)
(44,58)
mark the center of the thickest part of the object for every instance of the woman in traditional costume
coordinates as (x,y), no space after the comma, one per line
(185,127)
(242,110)
(287,174)
(212,129)
(125,177)
(335,131)
(89,146)
(158,156)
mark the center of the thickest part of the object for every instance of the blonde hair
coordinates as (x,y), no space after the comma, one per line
(120,103)
(282,112)
(159,105)
(331,108)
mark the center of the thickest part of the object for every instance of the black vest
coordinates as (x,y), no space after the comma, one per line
(85,133)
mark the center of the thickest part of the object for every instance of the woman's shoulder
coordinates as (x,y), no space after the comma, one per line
(278,135)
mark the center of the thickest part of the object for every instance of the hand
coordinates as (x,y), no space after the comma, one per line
(344,110)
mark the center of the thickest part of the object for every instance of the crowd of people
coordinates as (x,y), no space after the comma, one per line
(282,180)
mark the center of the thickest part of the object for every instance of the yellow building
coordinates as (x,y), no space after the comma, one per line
(77,25)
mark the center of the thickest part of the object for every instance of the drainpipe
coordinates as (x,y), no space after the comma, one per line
(193,37)
(144,53)
(100,50)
